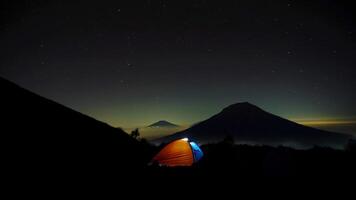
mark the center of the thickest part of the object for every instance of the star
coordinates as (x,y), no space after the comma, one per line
(124,83)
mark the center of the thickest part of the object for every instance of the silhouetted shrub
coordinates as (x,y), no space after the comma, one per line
(228,140)
(135,134)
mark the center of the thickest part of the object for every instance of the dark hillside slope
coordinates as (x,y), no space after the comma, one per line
(41,135)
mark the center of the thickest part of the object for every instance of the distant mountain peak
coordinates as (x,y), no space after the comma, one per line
(247,123)
(163,123)
(242,106)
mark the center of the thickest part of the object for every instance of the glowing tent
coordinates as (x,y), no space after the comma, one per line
(179,153)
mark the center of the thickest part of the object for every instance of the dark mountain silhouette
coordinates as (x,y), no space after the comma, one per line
(43,140)
(42,136)
(247,123)
(163,124)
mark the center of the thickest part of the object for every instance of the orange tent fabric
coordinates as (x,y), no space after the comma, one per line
(176,153)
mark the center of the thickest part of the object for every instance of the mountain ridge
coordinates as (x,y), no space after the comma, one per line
(250,124)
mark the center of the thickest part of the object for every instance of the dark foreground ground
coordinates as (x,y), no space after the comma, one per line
(224,160)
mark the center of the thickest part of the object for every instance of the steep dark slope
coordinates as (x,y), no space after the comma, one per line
(42,136)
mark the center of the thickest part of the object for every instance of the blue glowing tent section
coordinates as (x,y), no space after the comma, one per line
(197,152)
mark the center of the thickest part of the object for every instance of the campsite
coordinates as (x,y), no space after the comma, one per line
(157,90)
(77,149)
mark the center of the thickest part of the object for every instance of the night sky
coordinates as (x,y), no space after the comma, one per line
(136,62)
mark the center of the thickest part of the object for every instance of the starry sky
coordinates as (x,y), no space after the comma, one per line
(131,63)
